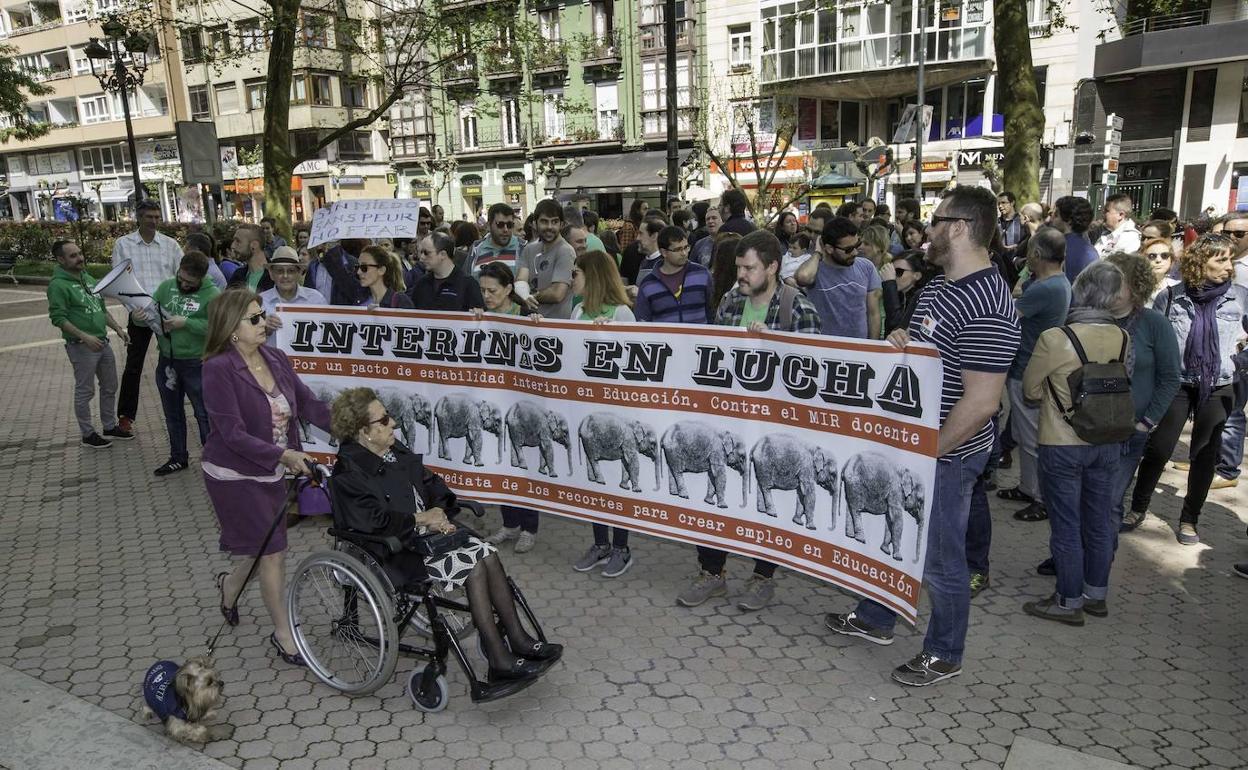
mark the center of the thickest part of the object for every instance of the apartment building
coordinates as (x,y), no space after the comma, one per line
(589,87)
(1180,85)
(226,56)
(85,153)
(845,72)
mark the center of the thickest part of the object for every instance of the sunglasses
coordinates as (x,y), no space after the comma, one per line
(383,420)
(847,249)
(256,319)
(1158,256)
(1236,233)
(364,267)
(937,219)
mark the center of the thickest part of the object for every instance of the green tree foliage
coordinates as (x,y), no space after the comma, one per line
(16,87)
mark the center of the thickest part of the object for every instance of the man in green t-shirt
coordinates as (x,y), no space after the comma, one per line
(79,313)
(759,301)
(183,300)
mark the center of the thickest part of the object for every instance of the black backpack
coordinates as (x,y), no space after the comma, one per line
(1101,409)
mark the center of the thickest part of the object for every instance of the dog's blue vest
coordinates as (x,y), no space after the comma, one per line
(159,692)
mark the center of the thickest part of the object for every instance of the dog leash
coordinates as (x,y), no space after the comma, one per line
(317,477)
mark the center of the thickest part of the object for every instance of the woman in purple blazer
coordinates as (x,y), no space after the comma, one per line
(255,402)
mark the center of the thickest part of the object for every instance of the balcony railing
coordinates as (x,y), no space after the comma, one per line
(502,63)
(652,36)
(493,139)
(874,53)
(601,51)
(550,56)
(580,129)
(33,28)
(1162,23)
(461,72)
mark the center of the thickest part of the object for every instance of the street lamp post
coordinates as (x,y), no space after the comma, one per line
(116,77)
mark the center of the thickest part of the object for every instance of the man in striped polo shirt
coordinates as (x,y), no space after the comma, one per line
(501,245)
(675,291)
(969,315)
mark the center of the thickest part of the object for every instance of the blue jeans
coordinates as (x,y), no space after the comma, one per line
(1232,453)
(948,580)
(979,526)
(1079,489)
(178,379)
(1131,451)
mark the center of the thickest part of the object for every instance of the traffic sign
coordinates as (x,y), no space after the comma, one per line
(1113,121)
(1113,136)
(1111,165)
(1111,180)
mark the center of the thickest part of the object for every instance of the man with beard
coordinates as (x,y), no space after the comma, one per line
(846,290)
(546,264)
(759,301)
(968,314)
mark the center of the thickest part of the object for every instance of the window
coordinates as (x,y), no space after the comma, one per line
(192,45)
(104,161)
(299,89)
(200,103)
(740,49)
(315,30)
(548,23)
(1243,108)
(219,40)
(347,32)
(76,12)
(355,93)
(356,145)
(1200,114)
(511,123)
(468,126)
(256,90)
(829,123)
(93,109)
(1038,22)
(252,36)
(552,109)
(227,98)
(322,90)
(304,142)
(600,14)
(40,163)
(606,97)
(81,64)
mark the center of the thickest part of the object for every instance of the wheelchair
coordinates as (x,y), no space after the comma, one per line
(348,620)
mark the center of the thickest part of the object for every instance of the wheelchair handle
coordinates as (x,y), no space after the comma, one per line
(477,508)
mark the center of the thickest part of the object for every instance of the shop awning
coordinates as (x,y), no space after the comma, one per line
(623,172)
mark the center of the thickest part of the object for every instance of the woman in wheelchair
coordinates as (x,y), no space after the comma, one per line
(380,487)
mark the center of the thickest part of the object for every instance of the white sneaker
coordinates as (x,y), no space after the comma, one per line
(503,535)
(525,542)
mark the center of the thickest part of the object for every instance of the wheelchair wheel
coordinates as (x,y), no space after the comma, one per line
(343,623)
(458,623)
(429,698)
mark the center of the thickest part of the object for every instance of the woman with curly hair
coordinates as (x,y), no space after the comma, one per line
(723,268)
(1207,312)
(380,487)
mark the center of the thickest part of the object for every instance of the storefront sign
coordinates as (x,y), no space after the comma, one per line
(312,167)
(935,165)
(472,191)
(814,452)
(974,160)
(514,188)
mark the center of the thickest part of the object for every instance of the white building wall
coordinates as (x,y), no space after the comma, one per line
(1224,148)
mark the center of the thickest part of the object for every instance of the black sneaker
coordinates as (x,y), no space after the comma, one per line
(1241,569)
(171,466)
(1097,608)
(979,581)
(96,441)
(1046,568)
(850,625)
(1052,609)
(118,434)
(924,669)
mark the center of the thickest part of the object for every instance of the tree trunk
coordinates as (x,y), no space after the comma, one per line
(277,152)
(1024,120)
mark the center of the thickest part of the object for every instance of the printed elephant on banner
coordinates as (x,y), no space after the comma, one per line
(459,416)
(407,410)
(875,484)
(531,425)
(604,436)
(783,462)
(327,393)
(690,446)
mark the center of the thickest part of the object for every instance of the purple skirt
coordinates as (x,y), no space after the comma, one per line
(245,510)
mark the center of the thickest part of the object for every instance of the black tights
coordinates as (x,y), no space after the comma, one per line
(488,593)
(1206,443)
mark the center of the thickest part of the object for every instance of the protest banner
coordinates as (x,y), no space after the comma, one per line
(370,218)
(660,429)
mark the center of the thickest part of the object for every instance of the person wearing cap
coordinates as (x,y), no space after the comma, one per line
(286,270)
(183,301)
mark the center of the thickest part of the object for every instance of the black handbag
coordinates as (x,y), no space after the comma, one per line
(438,543)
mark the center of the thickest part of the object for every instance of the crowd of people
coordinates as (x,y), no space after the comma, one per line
(1023,302)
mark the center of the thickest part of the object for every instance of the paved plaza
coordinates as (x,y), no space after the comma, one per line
(107,569)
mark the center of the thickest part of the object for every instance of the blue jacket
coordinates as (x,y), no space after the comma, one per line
(159,692)
(1231,311)
(657,304)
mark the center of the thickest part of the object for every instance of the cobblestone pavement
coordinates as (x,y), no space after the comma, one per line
(107,569)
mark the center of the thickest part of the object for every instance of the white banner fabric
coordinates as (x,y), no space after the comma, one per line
(666,430)
(365,218)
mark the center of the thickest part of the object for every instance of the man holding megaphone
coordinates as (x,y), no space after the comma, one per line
(75,309)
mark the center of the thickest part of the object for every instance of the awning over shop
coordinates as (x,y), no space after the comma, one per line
(624,172)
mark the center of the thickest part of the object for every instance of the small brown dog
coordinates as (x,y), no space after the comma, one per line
(184,698)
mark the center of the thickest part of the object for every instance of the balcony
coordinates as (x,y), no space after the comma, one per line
(652,40)
(550,57)
(580,131)
(1173,41)
(490,140)
(502,64)
(601,53)
(461,74)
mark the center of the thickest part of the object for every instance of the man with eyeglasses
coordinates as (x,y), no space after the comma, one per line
(844,289)
(968,314)
(677,290)
(502,244)
(286,271)
(1231,457)
(183,301)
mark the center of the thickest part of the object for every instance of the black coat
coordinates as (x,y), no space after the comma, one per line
(458,291)
(375,497)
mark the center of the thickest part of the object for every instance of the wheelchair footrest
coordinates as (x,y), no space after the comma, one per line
(482,692)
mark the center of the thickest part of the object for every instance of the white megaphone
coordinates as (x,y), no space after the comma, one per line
(120,284)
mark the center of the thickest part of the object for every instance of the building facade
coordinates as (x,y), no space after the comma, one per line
(567,98)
